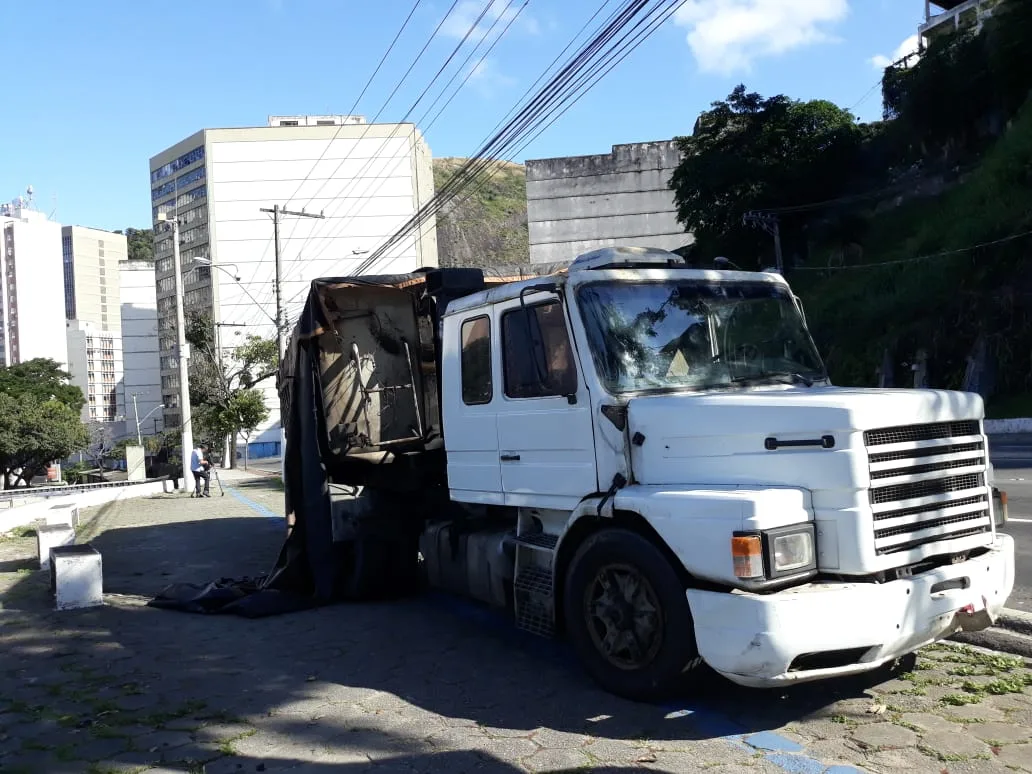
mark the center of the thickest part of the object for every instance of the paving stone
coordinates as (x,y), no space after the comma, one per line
(550,739)
(557,760)
(909,760)
(925,722)
(978,713)
(1019,755)
(1000,732)
(951,745)
(884,735)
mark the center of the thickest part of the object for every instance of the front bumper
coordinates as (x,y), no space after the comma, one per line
(830,629)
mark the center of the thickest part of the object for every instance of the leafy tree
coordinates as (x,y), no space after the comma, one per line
(240,414)
(754,153)
(222,388)
(99,442)
(34,433)
(42,379)
(140,243)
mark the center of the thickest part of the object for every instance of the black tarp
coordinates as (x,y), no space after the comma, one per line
(375,555)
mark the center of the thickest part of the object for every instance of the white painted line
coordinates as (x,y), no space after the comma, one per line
(1020,521)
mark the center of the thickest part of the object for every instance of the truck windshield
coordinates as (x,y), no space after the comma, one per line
(696,335)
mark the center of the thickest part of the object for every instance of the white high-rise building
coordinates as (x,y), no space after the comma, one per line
(95,364)
(32,320)
(367,179)
(140,359)
(94,312)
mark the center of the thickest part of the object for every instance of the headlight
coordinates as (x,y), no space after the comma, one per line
(773,554)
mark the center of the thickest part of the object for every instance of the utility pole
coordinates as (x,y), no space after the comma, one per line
(136,413)
(182,353)
(281,341)
(769,223)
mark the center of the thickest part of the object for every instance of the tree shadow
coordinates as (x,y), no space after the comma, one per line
(414,682)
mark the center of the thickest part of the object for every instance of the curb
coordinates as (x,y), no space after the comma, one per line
(1016,621)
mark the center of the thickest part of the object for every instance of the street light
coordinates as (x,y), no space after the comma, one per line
(136,413)
(279,339)
(236,278)
(183,349)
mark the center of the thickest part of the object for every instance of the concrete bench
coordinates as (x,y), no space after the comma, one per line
(76,577)
(64,513)
(49,537)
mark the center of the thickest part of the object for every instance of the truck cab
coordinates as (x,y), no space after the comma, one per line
(650,461)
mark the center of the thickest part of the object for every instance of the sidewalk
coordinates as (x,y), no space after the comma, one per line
(428,684)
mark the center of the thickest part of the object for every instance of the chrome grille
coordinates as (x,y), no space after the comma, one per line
(928,484)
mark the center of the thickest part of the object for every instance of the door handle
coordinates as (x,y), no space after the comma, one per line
(510,458)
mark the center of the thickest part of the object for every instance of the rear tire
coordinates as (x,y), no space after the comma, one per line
(628,618)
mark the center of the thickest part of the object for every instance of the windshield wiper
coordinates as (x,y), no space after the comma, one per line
(778,376)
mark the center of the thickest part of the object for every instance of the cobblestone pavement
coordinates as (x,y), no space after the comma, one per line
(422,685)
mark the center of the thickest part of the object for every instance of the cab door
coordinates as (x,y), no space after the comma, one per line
(545,436)
(470,408)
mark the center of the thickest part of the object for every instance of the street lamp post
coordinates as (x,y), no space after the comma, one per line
(280,344)
(136,413)
(183,349)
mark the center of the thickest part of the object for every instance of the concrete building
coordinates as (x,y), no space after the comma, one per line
(367,179)
(580,203)
(91,277)
(93,310)
(946,17)
(140,358)
(95,364)
(32,321)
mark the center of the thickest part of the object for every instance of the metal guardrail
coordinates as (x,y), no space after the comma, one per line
(12,496)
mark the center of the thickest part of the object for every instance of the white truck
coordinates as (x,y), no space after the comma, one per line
(646,459)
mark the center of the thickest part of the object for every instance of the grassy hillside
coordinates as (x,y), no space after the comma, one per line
(951,297)
(490,228)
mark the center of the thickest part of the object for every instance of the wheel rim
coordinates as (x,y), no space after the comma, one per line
(623,616)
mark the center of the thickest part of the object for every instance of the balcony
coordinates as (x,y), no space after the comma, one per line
(946,17)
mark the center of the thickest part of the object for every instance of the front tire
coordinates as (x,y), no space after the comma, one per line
(628,618)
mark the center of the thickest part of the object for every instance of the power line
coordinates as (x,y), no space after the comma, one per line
(557,94)
(354,107)
(363,200)
(472,28)
(607,25)
(583,87)
(916,259)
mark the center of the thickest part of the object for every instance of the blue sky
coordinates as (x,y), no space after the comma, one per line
(94,89)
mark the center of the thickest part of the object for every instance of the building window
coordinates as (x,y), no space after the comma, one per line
(538,358)
(477,385)
(288,123)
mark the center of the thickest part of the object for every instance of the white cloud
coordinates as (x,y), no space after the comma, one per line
(727,36)
(487,79)
(907,47)
(466,13)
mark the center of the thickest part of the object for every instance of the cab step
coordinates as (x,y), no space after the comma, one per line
(534,600)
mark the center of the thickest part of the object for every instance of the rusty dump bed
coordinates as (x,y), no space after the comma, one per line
(360,381)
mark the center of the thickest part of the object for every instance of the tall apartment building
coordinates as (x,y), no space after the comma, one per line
(93,309)
(32,324)
(140,359)
(580,203)
(95,364)
(367,179)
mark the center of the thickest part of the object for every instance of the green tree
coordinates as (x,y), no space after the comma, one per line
(222,385)
(42,379)
(140,243)
(34,433)
(753,153)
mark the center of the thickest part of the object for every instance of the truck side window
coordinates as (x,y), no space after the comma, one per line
(477,386)
(539,333)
